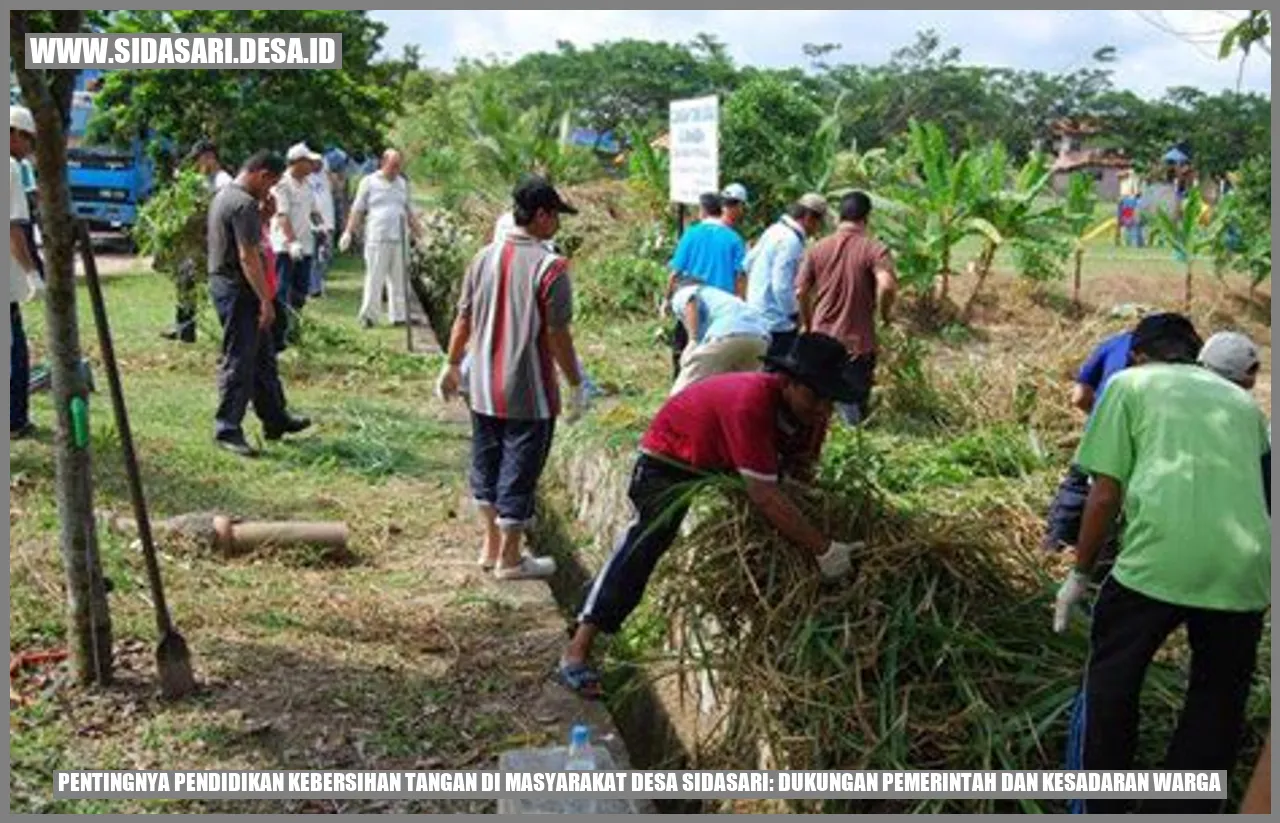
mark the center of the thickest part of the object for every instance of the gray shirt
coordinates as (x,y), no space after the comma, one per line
(234,221)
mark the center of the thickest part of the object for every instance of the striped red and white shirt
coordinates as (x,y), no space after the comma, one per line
(514,292)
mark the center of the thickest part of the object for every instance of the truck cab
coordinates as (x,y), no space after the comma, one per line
(108,182)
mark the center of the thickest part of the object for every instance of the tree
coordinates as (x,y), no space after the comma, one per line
(1187,234)
(48,94)
(1080,203)
(245,110)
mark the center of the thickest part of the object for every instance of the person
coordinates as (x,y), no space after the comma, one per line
(322,193)
(711,253)
(842,281)
(517,304)
(383,197)
(203,159)
(22,270)
(246,308)
(734,198)
(1106,360)
(725,334)
(1129,218)
(772,265)
(1233,356)
(336,164)
(293,236)
(1186,455)
(756,425)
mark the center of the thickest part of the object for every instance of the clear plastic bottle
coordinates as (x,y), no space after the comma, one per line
(580,757)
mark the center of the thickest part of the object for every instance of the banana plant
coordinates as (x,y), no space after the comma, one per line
(1187,234)
(1080,203)
(941,192)
(1015,216)
(648,172)
(1241,240)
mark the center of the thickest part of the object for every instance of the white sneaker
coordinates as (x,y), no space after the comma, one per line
(530,568)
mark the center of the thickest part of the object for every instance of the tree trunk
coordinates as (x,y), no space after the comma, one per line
(1186,287)
(984,269)
(88,615)
(1075,280)
(946,276)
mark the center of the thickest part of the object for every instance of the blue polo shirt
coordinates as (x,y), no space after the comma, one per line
(712,253)
(1104,362)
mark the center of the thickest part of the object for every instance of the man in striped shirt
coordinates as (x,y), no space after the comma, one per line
(514,313)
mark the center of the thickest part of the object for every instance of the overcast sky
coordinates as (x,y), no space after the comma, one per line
(1156,49)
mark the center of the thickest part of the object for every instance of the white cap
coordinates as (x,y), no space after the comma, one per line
(20,118)
(734,191)
(1230,354)
(301,151)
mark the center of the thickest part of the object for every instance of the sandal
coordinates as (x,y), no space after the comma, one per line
(580,679)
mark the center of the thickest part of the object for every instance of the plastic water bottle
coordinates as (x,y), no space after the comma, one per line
(580,758)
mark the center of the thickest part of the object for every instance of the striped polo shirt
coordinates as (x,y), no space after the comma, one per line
(513,293)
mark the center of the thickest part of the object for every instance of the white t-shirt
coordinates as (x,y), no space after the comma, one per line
(218,179)
(294,198)
(385,204)
(323,194)
(19,288)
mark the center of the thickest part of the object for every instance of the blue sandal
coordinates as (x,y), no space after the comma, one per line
(580,679)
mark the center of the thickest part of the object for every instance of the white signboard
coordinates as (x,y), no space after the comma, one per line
(695,148)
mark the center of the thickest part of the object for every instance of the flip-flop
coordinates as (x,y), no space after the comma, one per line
(580,679)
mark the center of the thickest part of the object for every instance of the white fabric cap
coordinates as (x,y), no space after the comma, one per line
(1230,354)
(301,151)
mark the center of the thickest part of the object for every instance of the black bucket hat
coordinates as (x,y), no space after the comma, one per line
(821,363)
(534,192)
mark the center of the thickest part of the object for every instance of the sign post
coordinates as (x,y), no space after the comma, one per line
(694,131)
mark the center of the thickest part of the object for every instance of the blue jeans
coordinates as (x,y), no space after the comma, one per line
(320,265)
(295,280)
(19,372)
(507,458)
(1133,236)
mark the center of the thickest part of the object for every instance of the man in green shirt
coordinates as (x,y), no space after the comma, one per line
(1179,448)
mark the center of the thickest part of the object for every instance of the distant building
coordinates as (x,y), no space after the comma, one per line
(1078,150)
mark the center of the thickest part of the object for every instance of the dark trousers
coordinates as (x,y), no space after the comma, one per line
(679,342)
(1128,629)
(861,372)
(507,458)
(295,279)
(247,372)
(660,495)
(1065,515)
(184,320)
(19,372)
(780,343)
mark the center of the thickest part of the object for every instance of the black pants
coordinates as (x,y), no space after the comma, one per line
(660,494)
(1065,515)
(295,279)
(19,372)
(780,343)
(507,459)
(679,342)
(1128,629)
(247,372)
(184,319)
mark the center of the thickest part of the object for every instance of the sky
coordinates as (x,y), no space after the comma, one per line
(1156,49)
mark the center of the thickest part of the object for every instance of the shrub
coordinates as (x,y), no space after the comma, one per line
(619,286)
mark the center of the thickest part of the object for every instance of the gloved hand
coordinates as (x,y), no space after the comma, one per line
(35,285)
(449,381)
(344,242)
(579,400)
(1073,590)
(295,249)
(836,561)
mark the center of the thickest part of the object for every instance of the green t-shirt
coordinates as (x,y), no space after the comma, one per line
(1186,446)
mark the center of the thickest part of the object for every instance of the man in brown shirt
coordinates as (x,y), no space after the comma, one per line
(841,281)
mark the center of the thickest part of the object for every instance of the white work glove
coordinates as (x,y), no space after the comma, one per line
(836,561)
(579,400)
(295,249)
(1073,590)
(35,286)
(344,242)
(448,383)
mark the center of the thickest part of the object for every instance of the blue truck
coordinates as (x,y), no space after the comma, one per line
(108,182)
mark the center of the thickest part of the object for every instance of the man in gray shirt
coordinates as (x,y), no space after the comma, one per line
(246,308)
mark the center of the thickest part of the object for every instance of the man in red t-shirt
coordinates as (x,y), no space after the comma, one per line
(756,424)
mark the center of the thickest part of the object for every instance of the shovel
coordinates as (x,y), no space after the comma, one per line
(173,659)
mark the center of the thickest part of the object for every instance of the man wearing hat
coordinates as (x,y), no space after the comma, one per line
(772,265)
(514,314)
(292,230)
(756,425)
(384,207)
(22,271)
(709,253)
(1188,459)
(843,281)
(734,198)
(1233,356)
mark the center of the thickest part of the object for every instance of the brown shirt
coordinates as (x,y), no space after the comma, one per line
(839,273)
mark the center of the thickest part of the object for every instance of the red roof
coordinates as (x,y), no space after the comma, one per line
(1073,160)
